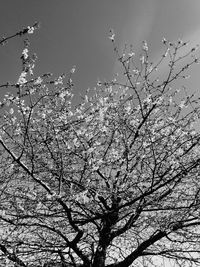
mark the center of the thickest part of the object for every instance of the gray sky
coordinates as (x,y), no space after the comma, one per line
(74,32)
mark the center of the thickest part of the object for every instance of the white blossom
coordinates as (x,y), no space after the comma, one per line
(22,78)
(112,35)
(30,30)
(25,53)
(145,46)
(38,81)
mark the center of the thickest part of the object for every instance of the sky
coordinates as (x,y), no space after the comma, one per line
(75,32)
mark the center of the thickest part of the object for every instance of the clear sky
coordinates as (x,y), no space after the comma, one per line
(74,32)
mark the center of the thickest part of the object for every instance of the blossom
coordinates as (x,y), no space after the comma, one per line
(25,53)
(59,81)
(135,72)
(131,54)
(2,212)
(51,195)
(30,29)
(164,41)
(182,104)
(145,46)
(73,69)
(142,59)
(11,111)
(83,197)
(99,83)
(22,78)
(38,81)
(112,35)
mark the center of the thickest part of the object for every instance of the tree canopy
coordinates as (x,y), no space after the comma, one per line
(110,182)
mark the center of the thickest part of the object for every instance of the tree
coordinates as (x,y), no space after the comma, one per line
(113,181)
